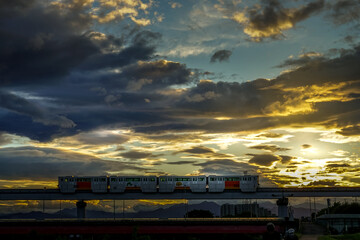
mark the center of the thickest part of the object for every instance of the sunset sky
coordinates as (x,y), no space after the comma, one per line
(137,87)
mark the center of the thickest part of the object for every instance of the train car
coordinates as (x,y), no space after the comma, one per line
(249,183)
(131,183)
(172,183)
(118,184)
(246,183)
(67,184)
(71,184)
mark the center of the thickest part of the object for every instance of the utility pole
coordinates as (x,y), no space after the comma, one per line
(123,208)
(114,209)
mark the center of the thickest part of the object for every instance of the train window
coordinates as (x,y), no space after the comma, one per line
(162,179)
(66,179)
(113,179)
(194,179)
(71,180)
(145,179)
(120,179)
(201,179)
(103,179)
(152,179)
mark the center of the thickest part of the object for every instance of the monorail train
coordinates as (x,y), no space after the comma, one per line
(162,184)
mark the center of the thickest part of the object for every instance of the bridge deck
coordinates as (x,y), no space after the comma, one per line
(262,193)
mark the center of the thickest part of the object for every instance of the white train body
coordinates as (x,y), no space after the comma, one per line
(162,184)
(172,183)
(127,183)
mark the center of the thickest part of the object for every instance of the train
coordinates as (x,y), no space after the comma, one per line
(161,184)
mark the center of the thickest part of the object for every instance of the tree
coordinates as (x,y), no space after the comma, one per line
(341,208)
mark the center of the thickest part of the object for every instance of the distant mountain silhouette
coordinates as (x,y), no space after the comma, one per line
(175,211)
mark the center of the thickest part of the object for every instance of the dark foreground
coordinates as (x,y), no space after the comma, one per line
(139,229)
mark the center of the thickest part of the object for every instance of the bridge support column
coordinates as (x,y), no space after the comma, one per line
(282,204)
(80,206)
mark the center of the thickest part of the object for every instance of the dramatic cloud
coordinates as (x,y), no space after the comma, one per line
(204,153)
(47,164)
(22,106)
(303,59)
(138,155)
(350,131)
(264,159)
(344,11)
(88,88)
(224,166)
(108,11)
(268,147)
(306,146)
(4,138)
(270,19)
(220,56)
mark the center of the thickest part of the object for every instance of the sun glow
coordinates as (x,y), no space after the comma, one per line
(310,151)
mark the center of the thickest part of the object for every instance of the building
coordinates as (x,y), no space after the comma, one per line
(244,210)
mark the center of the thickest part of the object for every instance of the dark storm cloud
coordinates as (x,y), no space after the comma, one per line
(22,106)
(224,166)
(341,69)
(48,164)
(350,131)
(181,162)
(264,159)
(255,102)
(42,43)
(286,159)
(323,183)
(271,135)
(138,155)
(15,4)
(198,150)
(154,75)
(220,56)
(204,152)
(344,11)
(141,47)
(269,147)
(232,99)
(311,57)
(273,18)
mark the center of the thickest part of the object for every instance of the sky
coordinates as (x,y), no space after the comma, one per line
(137,87)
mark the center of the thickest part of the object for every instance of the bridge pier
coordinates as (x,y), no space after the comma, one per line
(80,206)
(282,204)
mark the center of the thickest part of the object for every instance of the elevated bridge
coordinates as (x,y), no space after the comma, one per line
(261,193)
(281,194)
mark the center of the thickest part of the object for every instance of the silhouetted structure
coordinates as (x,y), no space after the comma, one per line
(244,210)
